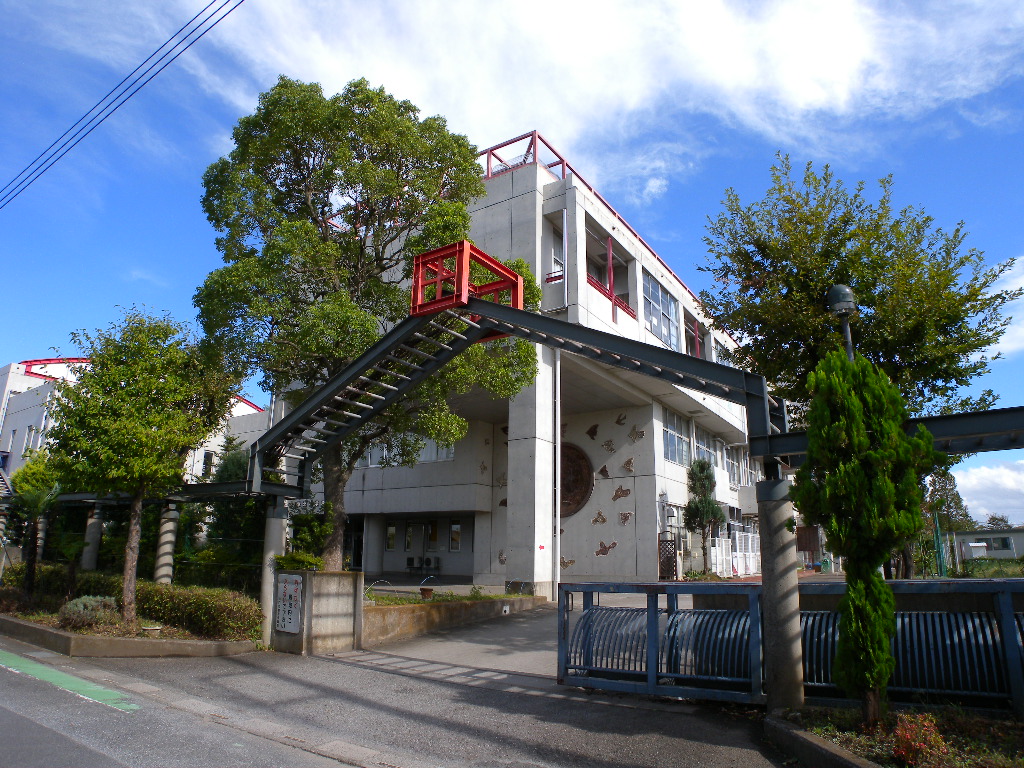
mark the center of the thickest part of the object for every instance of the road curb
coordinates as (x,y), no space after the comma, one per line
(812,751)
(94,646)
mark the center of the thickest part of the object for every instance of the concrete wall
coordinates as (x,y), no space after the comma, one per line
(332,605)
(390,623)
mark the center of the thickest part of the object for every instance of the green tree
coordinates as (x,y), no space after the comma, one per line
(36,487)
(702,513)
(321,206)
(998,522)
(149,394)
(861,483)
(928,310)
(236,524)
(942,501)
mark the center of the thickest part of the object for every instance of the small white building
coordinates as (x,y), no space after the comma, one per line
(27,388)
(1004,544)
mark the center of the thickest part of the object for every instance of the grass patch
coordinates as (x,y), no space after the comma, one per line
(940,738)
(115,628)
(404,598)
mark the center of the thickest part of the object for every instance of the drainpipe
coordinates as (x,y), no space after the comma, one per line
(557,516)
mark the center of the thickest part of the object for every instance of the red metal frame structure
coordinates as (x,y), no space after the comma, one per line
(441,279)
(495,165)
(31,364)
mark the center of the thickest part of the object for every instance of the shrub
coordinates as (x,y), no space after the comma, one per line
(298,561)
(210,613)
(917,741)
(11,600)
(87,611)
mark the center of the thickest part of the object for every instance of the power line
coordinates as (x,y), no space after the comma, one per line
(65,142)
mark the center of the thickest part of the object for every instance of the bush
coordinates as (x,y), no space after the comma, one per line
(11,600)
(298,561)
(216,614)
(87,611)
(210,613)
(917,741)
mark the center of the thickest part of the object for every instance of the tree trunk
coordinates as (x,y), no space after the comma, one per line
(908,560)
(871,707)
(131,560)
(336,476)
(31,544)
(704,550)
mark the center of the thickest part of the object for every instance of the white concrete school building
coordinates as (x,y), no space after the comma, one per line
(485,509)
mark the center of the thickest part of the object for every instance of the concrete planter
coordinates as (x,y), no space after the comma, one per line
(96,646)
(317,612)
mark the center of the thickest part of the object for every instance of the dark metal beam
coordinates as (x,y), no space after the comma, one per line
(999,429)
(715,379)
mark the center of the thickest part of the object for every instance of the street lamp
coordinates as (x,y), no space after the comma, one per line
(842,303)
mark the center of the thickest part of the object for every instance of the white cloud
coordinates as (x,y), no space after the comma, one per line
(136,275)
(803,73)
(993,489)
(1013,340)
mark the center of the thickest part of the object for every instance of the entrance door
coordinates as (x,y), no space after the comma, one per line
(415,542)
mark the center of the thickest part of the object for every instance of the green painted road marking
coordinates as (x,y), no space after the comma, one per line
(75,685)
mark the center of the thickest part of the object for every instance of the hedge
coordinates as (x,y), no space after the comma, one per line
(217,614)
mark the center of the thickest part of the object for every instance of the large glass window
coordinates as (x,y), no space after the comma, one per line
(432,536)
(390,536)
(455,536)
(735,463)
(661,312)
(705,446)
(676,431)
(431,451)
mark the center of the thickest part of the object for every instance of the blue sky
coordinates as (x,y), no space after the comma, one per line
(661,105)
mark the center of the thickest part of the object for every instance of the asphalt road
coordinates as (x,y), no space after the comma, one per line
(43,725)
(455,700)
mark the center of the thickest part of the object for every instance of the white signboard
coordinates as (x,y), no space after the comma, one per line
(289,603)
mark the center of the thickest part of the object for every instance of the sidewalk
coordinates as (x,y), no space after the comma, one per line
(481,696)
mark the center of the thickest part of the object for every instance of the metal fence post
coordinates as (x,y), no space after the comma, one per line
(1012,649)
(653,642)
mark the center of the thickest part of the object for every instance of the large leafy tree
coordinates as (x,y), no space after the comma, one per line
(702,513)
(928,308)
(150,394)
(861,483)
(321,206)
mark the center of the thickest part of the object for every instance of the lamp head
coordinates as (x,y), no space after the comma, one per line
(840,301)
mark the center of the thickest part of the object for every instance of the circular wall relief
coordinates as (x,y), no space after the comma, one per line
(577,479)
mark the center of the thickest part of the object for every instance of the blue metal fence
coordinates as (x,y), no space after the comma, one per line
(973,656)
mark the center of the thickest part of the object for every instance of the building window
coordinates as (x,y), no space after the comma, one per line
(455,536)
(705,446)
(735,462)
(377,455)
(722,354)
(661,312)
(676,431)
(432,536)
(207,463)
(391,536)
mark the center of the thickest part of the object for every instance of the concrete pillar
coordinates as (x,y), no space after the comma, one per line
(780,598)
(275,534)
(93,537)
(40,537)
(164,571)
(531,478)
